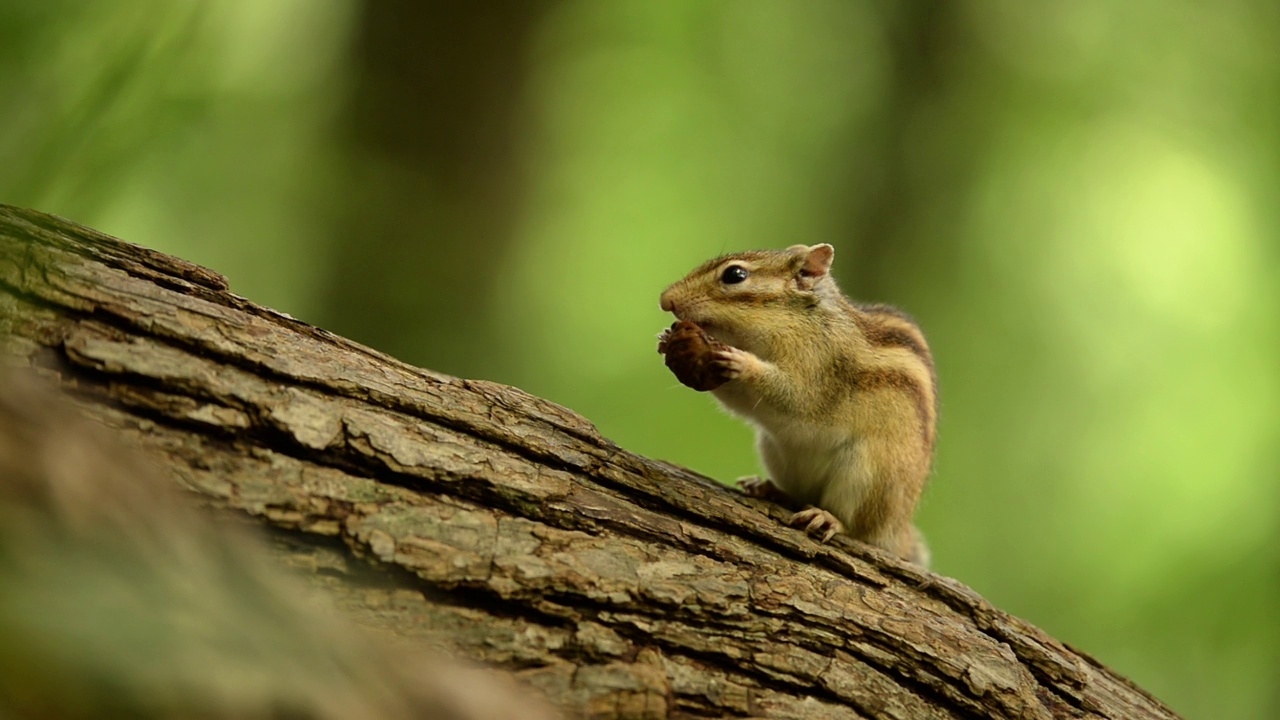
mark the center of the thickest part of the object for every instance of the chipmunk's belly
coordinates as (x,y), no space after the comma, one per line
(815,465)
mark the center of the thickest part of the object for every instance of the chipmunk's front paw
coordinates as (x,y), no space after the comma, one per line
(817,522)
(663,338)
(733,364)
(758,487)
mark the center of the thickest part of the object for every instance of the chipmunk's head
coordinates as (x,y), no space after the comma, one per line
(740,296)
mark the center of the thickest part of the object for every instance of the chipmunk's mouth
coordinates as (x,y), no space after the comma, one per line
(706,327)
(717,333)
(714,330)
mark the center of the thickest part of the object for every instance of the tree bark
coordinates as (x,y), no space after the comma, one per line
(475,517)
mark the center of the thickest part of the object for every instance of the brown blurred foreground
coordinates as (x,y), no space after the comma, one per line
(119,599)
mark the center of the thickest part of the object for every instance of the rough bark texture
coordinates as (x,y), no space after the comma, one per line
(478,518)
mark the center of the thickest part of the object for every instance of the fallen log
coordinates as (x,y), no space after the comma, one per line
(482,521)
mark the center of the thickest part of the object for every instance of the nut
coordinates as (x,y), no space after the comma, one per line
(690,355)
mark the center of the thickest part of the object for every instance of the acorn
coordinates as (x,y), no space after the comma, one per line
(688,351)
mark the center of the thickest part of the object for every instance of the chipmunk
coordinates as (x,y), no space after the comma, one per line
(843,396)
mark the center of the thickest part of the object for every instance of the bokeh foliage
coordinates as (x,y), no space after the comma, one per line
(1076,200)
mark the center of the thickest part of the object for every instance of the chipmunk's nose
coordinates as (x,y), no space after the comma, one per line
(667,304)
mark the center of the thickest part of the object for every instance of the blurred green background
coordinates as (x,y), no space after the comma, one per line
(1078,202)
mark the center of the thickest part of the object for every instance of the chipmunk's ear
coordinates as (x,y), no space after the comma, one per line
(816,263)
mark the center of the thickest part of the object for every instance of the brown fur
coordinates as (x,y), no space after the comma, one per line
(843,396)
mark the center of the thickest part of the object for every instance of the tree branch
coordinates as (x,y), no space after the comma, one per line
(504,527)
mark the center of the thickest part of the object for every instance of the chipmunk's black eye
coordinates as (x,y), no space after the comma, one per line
(733,275)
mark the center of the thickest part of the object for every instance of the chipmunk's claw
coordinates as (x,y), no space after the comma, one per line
(818,522)
(763,488)
(734,363)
